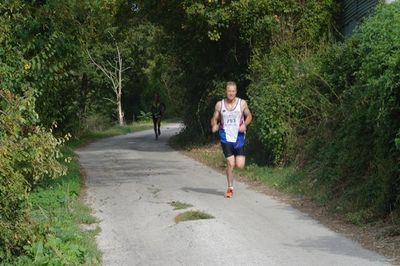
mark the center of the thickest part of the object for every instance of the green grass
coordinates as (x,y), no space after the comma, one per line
(192,215)
(286,179)
(180,205)
(57,213)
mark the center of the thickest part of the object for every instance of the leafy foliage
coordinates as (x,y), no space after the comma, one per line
(28,154)
(354,153)
(279,92)
(229,40)
(144,116)
(315,103)
(335,115)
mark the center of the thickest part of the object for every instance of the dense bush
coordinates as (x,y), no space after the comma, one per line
(284,79)
(335,109)
(354,153)
(28,154)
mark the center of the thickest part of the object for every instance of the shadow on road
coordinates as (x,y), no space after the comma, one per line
(203,190)
(334,245)
(140,141)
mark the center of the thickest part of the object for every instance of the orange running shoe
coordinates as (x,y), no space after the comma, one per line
(229,192)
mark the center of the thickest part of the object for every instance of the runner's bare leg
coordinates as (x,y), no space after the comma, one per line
(230,164)
(155,127)
(159,125)
(240,161)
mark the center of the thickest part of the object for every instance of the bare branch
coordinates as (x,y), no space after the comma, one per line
(109,74)
(111,65)
(114,102)
(105,71)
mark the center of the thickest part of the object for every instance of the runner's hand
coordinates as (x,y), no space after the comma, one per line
(214,128)
(242,128)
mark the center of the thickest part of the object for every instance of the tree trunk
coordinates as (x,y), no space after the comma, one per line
(120,113)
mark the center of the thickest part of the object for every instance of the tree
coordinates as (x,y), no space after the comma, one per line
(113,71)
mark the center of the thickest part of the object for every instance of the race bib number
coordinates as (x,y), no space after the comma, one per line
(232,119)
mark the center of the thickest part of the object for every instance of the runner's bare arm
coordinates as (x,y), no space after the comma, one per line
(247,114)
(215,117)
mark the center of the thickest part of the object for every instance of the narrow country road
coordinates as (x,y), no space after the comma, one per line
(131,180)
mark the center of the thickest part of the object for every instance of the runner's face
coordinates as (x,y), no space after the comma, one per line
(231,93)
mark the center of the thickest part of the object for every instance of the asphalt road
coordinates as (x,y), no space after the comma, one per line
(132,178)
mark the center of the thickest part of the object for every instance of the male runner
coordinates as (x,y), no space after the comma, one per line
(157,111)
(234,116)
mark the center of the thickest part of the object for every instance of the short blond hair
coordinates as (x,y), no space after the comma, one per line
(230,83)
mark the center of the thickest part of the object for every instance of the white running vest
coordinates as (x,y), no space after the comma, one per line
(230,121)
